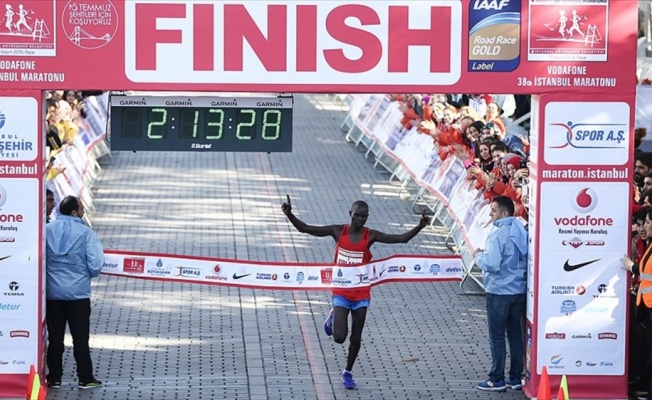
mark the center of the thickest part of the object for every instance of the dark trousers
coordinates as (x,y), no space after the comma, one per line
(504,316)
(77,314)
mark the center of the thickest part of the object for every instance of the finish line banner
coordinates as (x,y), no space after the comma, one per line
(285,276)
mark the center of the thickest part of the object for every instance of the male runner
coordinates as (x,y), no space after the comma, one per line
(353,243)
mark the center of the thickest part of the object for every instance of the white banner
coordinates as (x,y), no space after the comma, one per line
(287,276)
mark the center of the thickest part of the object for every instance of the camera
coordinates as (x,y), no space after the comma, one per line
(523,163)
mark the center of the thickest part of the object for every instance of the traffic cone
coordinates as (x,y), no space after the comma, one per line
(544,392)
(563,389)
(42,393)
(30,381)
(36,388)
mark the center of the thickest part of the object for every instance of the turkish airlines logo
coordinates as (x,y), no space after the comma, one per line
(584,200)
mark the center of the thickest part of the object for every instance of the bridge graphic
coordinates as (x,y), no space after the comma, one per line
(79,34)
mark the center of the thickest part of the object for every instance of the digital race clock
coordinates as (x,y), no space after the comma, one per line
(159,123)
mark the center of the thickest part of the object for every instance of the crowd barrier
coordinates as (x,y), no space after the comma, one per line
(373,123)
(80,157)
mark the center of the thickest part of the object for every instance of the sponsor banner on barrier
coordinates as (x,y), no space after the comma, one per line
(518,46)
(290,276)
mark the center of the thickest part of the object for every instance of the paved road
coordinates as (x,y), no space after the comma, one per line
(154,340)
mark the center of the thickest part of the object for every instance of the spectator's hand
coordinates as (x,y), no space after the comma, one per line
(428,125)
(477,251)
(287,206)
(526,141)
(415,122)
(474,170)
(491,180)
(425,220)
(627,263)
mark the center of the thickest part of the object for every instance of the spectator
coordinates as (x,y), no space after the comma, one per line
(643,270)
(639,135)
(49,204)
(504,267)
(638,351)
(74,256)
(493,115)
(642,166)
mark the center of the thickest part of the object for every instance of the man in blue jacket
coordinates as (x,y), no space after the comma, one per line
(73,256)
(504,266)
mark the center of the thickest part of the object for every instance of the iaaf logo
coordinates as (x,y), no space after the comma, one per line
(584,200)
(304,42)
(576,243)
(590,136)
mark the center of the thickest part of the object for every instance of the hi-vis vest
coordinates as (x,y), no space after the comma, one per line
(645,289)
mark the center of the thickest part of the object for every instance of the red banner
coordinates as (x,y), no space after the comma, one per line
(531,47)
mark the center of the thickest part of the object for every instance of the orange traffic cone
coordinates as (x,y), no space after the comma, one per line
(42,393)
(30,381)
(563,389)
(544,392)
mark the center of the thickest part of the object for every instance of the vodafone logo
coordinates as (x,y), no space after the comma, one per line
(584,200)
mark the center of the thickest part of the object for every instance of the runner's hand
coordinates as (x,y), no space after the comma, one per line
(425,220)
(287,206)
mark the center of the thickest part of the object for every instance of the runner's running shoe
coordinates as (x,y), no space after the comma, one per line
(328,324)
(347,380)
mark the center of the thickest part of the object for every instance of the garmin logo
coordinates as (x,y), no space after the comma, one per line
(233,103)
(178,102)
(587,336)
(269,104)
(142,102)
(201,146)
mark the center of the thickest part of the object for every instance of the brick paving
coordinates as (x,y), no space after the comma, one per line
(161,340)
